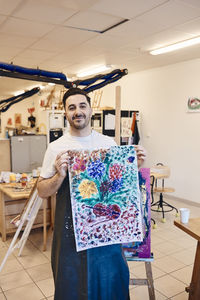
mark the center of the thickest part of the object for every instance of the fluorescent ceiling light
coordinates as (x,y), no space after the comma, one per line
(176,46)
(51,83)
(93,71)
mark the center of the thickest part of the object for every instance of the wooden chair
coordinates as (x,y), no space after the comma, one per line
(161,172)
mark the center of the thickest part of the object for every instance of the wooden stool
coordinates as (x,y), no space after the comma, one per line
(160,172)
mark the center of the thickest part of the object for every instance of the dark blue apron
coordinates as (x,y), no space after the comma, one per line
(95,274)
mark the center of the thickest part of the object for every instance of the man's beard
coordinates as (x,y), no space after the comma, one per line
(81,125)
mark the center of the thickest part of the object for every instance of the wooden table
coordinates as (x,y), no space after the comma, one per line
(10,194)
(193,229)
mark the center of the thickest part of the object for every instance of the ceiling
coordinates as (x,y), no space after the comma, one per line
(73,35)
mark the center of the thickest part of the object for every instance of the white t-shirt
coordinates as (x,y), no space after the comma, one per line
(68,142)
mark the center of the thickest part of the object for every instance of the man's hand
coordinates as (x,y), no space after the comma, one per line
(141,154)
(61,163)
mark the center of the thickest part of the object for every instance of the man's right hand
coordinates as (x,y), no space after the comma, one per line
(61,163)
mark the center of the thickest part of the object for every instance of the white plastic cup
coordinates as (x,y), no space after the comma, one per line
(34,173)
(185,214)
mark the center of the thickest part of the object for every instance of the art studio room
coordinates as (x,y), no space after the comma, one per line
(99,149)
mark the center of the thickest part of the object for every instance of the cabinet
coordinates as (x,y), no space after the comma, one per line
(27,152)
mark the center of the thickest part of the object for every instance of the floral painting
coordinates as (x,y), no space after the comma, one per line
(142,249)
(105,196)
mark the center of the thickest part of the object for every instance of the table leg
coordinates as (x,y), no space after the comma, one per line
(2,217)
(194,289)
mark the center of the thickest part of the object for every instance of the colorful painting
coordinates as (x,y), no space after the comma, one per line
(105,196)
(142,249)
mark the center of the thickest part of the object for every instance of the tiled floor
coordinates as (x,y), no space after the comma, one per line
(29,277)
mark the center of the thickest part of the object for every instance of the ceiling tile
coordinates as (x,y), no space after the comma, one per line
(25,28)
(126,8)
(44,11)
(162,39)
(52,65)
(192,27)
(170,14)
(63,38)
(2,19)
(74,4)
(8,6)
(18,41)
(45,44)
(84,65)
(194,3)
(134,30)
(35,54)
(27,63)
(7,53)
(92,20)
(106,42)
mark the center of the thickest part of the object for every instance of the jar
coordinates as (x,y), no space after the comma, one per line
(24,179)
(12,178)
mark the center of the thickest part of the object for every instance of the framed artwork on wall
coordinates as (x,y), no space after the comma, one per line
(193,104)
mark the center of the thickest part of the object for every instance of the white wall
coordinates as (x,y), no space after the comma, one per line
(168,132)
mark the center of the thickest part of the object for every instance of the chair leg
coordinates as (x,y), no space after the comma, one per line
(161,205)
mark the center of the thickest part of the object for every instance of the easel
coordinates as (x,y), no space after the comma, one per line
(149,276)
(29,214)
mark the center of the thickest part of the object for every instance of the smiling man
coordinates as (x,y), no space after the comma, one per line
(95,274)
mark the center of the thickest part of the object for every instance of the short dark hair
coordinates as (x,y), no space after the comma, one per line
(75,91)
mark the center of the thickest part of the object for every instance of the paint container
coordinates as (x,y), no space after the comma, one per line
(24,180)
(12,178)
(184,214)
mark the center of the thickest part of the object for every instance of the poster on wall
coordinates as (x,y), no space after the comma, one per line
(126,127)
(193,104)
(105,196)
(18,120)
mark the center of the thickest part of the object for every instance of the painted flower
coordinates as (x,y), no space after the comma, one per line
(105,187)
(79,165)
(116,185)
(115,172)
(96,169)
(131,159)
(87,188)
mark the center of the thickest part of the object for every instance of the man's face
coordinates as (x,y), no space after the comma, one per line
(78,111)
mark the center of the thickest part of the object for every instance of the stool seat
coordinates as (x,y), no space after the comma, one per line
(164,190)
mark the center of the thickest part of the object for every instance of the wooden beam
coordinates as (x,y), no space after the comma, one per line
(117,114)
